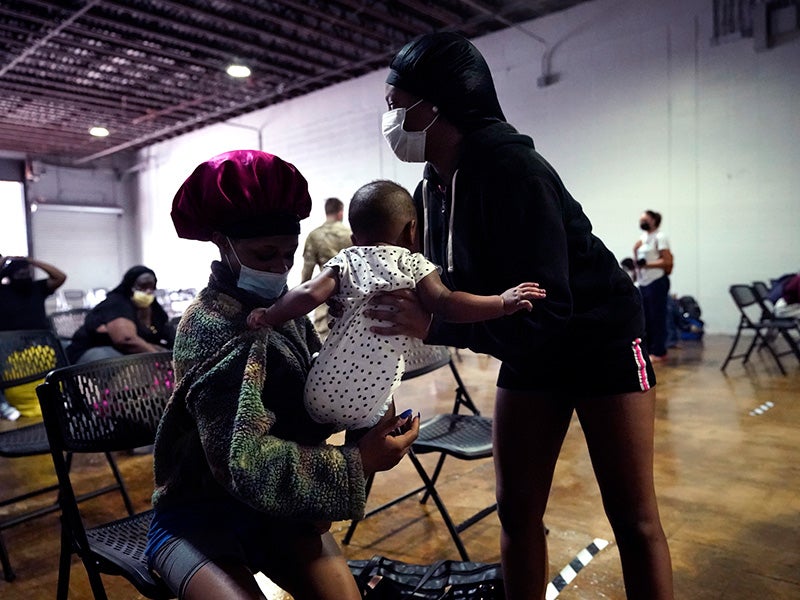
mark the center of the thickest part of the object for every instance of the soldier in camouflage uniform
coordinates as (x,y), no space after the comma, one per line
(322,244)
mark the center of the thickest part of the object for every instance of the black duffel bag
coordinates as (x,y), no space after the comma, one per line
(381,578)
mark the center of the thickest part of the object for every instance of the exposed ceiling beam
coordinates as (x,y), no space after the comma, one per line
(154,69)
(49,36)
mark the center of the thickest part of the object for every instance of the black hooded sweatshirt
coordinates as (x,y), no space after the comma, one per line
(507,218)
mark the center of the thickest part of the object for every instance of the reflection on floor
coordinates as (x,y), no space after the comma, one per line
(727,475)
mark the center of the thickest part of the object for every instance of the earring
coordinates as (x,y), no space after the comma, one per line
(435,109)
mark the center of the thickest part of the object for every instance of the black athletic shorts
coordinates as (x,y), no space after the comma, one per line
(577,370)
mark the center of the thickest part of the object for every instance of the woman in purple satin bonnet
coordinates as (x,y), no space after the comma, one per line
(244,478)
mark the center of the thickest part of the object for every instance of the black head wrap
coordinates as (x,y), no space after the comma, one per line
(11,266)
(125,287)
(446,69)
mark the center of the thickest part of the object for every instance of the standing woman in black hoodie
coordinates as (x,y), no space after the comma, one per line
(494,213)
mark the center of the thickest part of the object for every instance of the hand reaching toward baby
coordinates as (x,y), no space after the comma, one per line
(520,297)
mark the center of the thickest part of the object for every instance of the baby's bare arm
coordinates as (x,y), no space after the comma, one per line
(297,302)
(461,307)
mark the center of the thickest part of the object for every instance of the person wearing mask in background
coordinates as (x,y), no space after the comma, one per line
(128,321)
(322,244)
(22,300)
(494,213)
(22,297)
(245,480)
(654,264)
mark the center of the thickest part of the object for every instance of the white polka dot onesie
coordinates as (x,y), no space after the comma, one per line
(351,382)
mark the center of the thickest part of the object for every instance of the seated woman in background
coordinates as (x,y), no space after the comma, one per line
(128,321)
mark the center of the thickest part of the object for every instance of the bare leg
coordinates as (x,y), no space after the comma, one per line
(619,432)
(309,567)
(528,432)
(215,581)
(313,568)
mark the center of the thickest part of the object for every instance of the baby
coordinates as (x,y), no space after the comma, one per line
(351,382)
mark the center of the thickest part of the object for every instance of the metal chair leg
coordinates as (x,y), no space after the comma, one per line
(448,521)
(733,348)
(64,564)
(8,572)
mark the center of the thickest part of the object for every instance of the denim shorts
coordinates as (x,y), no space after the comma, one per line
(176,562)
(185,538)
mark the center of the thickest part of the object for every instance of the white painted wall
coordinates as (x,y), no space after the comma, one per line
(647,113)
(78,243)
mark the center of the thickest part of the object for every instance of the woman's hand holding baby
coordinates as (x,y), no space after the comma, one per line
(383,446)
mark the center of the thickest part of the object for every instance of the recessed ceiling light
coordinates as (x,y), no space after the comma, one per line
(238,71)
(98,131)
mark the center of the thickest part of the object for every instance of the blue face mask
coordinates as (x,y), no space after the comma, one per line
(265,284)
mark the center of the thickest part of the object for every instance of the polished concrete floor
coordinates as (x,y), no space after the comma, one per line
(727,475)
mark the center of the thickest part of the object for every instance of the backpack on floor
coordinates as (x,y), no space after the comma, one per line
(690,324)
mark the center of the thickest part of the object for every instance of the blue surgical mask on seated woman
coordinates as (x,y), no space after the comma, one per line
(265,284)
(408,146)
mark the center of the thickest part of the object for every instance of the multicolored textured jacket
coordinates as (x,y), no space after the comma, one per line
(236,425)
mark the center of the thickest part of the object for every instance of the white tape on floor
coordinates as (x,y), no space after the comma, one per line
(569,572)
(762,409)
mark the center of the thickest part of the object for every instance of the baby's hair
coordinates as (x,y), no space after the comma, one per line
(380,210)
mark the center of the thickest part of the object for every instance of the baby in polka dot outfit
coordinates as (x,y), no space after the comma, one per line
(351,381)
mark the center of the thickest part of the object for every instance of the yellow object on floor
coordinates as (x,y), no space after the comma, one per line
(23,397)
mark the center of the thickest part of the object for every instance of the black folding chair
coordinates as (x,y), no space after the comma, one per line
(762,292)
(788,326)
(466,436)
(755,316)
(105,406)
(25,357)
(66,322)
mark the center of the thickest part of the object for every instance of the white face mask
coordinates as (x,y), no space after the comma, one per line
(408,146)
(266,284)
